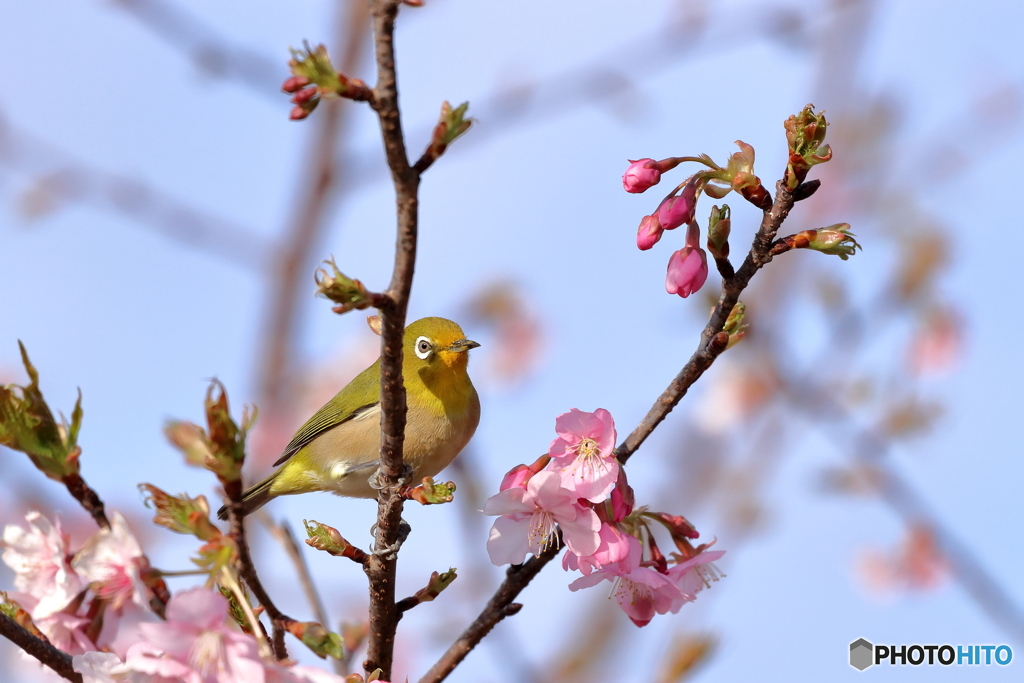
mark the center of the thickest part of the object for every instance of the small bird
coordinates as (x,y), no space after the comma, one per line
(337,449)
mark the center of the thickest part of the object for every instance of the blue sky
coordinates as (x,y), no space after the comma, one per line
(140,322)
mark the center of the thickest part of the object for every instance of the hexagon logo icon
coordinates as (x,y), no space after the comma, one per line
(862,654)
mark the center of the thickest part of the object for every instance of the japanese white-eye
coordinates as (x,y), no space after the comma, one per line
(337,449)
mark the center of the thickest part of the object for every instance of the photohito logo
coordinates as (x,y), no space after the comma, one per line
(863,654)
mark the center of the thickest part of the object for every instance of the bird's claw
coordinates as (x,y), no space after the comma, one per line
(403,480)
(390,552)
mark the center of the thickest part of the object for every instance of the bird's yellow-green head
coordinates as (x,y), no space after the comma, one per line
(436,344)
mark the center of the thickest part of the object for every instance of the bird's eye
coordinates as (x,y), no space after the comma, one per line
(423,347)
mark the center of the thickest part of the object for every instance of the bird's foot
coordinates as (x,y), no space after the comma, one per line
(376,479)
(391,551)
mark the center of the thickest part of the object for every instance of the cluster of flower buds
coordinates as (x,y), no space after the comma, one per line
(579,489)
(688,267)
(314,78)
(805,133)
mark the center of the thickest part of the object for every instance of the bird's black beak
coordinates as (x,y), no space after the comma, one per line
(462,345)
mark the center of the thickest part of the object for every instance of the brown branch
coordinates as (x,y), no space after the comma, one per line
(501,605)
(247,570)
(382,566)
(46,653)
(88,498)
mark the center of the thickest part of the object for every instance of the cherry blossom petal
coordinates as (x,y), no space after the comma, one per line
(508,542)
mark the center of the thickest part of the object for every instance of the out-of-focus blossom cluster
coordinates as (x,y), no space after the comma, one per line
(578,490)
(106,606)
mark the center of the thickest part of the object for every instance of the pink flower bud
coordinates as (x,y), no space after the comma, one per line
(518,476)
(295,84)
(675,210)
(649,233)
(687,271)
(298,113)
(303,96)
(641,175)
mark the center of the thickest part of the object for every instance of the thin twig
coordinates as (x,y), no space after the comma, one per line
(88,498)
(247,570)
(46,653)
(282,533)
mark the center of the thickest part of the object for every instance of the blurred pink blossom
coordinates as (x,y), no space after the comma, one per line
(584,453)
(66,631)
(694,575)
(111,561)
(197,644)
(38,557)
(528,519)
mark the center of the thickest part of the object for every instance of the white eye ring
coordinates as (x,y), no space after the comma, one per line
(423,348)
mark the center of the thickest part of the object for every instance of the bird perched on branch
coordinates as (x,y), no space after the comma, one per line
(337,450)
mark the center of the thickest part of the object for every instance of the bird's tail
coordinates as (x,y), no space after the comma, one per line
(253,499)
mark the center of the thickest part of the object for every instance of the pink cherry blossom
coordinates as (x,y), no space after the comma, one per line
(641,592)
(528,519)
(614,548)
(649,232)
(584,453)
(65,631)
(111,561)
(38,557)
(622,498)
(516,478)
(196,644)
(641,175)
(694,575)
(106,667)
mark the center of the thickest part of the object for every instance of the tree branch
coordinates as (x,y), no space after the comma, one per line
(45,652)
(88,498)
(247,570)
(382,566)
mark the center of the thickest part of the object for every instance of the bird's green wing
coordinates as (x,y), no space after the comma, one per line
(359,396)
